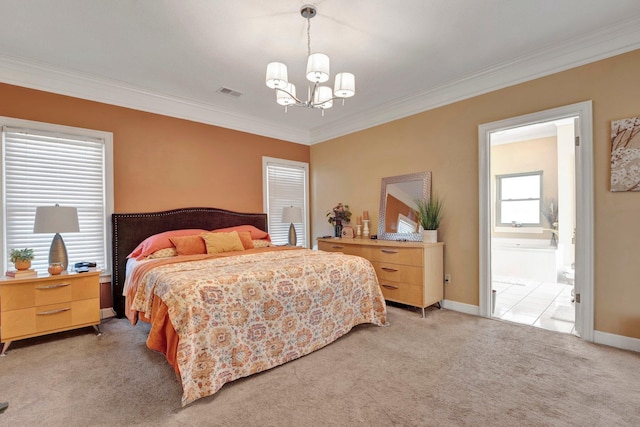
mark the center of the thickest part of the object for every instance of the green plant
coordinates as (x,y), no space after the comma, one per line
(21,255)
(430,212)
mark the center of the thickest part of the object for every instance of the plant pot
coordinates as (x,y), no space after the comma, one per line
(22,264)
(430,236)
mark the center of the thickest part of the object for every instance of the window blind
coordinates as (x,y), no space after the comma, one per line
(41,168)
(286,184)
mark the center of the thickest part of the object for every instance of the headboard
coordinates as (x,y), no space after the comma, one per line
(129,229)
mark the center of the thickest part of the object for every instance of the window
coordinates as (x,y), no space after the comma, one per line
(518,199)
(44,165)
(285,184)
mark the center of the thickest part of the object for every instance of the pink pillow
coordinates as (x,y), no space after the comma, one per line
(160,241)
(256,233)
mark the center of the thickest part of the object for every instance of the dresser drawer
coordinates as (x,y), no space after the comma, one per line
(398,272)
(405,293)
(406,256)
(339,247)
(54,317)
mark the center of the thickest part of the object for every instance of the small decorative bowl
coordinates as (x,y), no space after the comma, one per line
(55,268)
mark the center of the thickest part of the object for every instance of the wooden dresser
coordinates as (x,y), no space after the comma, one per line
(36,306)
(410,273)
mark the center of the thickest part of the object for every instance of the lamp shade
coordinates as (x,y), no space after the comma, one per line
(345,86)
(284,98)
(291,214)
(318,68)
(56,219)
(322,97)
(276,75)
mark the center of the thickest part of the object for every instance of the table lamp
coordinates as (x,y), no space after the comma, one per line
(57,219)
(292,214)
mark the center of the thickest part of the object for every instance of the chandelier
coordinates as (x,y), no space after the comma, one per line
(320,97)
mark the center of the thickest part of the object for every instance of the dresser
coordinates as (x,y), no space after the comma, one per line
(410,273)
(35,306)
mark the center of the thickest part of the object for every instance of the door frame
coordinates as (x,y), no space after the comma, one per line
(584,275)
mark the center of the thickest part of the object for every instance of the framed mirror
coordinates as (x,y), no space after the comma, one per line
(398,194)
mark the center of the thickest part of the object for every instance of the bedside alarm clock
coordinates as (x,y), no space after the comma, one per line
(348,232)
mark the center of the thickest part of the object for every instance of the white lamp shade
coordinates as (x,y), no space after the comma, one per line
(283,98)
(277,75)
(322,97)
(56,219)
(291,214)
(345,86)
(318,68)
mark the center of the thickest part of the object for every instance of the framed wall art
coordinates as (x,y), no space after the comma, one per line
(625,154)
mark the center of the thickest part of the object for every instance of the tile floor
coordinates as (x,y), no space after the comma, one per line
(542,304)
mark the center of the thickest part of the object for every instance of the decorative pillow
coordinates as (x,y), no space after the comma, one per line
(245,238)
(222,242)
(160,241)
(256,233)
(189,245)
(261,244)
(163,253)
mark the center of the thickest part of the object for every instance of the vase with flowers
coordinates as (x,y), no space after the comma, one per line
(337,216)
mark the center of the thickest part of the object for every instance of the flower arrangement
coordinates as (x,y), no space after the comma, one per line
(339,214)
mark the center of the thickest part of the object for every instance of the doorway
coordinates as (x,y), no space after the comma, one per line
(524,203)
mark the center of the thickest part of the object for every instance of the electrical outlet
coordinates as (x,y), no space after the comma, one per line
(447,278)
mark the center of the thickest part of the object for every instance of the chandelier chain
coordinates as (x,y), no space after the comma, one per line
(308,36)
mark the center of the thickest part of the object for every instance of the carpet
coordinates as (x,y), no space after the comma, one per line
(448,369)
(565,313)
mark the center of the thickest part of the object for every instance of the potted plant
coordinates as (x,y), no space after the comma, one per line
(430,215)
(21,258)
(337,216)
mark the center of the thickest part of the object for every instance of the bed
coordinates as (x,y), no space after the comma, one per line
(220,316)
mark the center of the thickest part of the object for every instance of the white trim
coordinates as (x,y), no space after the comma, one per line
(461,307)
(584,207)
(620,38)
(618,341)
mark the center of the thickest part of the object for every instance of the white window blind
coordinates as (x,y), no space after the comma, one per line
(286,184)
(42,168)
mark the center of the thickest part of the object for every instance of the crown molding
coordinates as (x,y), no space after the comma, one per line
(24,73)
(621,38)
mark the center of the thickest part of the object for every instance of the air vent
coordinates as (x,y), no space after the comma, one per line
(230,92)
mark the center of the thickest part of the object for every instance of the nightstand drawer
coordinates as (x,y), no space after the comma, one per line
(398,273)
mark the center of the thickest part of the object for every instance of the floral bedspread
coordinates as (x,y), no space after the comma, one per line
(240,315)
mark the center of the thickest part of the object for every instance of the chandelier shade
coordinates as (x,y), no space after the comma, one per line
(318,71)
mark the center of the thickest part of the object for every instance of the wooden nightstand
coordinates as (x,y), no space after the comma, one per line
(37,306)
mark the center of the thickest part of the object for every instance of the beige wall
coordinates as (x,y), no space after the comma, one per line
(445,141)
(162,162)
(527,156)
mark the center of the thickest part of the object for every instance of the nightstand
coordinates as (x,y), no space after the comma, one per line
(36,306)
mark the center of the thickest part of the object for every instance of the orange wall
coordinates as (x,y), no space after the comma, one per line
(162,162)
(445,141)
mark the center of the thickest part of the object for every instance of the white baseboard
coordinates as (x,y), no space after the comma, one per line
(461,307)
(618,341)
(105,313)
(612,340)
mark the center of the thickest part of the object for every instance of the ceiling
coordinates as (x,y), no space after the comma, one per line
(172,56)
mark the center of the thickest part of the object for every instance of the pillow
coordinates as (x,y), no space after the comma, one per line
(261,244)
(189,245)
(163,253)
(256,233)
(245,238)
(160,241)
(222,242)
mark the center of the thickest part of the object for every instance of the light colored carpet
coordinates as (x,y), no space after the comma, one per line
(448,369)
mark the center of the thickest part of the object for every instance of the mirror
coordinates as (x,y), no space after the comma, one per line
(398,195)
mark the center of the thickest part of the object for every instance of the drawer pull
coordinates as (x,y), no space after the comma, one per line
(391,270)
(389,286)
(57,285)
(60,310)
(388,251)
(337,247)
